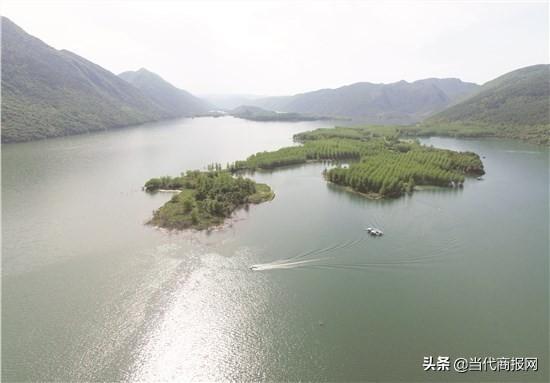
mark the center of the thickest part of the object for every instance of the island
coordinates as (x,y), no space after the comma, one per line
(374,161)
(204,198)
(255,113)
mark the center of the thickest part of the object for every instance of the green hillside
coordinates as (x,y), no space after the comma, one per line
(177,102)
(48,92)
(515,105)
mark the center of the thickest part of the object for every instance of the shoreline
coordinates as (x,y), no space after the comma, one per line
(349,189)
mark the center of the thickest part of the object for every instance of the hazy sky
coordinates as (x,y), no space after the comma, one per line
(279,47)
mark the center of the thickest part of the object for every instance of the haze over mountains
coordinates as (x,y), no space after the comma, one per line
(230,101)
(48,93)
(397,103)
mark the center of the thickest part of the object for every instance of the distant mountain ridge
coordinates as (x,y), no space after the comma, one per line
(396,103)
(176,102)
(49,93)
(229,102)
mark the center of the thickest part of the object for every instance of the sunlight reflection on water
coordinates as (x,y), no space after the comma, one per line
(199,335)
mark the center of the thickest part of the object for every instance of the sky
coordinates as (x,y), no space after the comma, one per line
(287,47)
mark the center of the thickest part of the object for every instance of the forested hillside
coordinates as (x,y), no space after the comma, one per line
(176,102)
(514,105)
(48,92)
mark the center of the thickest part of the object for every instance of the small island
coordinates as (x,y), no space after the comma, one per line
(372,161)
(204,198)
(255,113)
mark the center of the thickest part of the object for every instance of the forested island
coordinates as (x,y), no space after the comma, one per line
(378,164)
(381,164)
(255,113)
(205,198)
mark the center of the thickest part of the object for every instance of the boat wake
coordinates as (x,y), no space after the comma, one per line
(326,258)
(286,265)
(300,260)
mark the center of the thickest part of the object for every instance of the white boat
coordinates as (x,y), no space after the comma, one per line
(374,232)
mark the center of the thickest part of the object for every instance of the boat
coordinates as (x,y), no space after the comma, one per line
(374,232)
(479,178)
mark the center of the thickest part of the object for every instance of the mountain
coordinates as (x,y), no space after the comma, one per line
(48,92)
(520,97)
(515,105)
(229,101)
(397,103)
(177,102)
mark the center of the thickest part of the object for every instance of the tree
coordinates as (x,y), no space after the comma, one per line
(194,216)
(187,205)
(153,184)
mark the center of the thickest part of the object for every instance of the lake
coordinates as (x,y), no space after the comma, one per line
(89,292)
